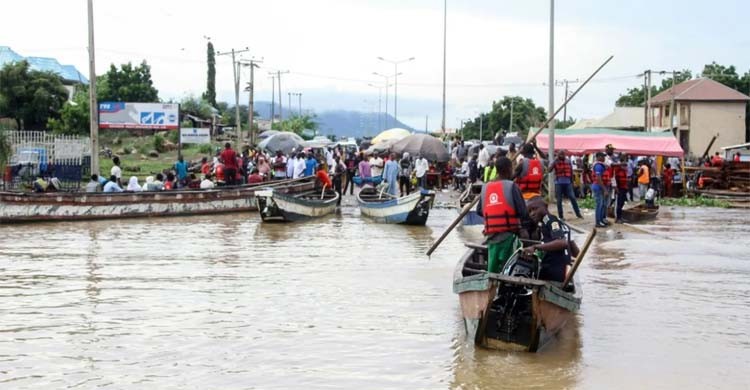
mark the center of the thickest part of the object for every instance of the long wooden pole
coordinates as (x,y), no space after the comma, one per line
(468,207)
(93,105)
(580,256)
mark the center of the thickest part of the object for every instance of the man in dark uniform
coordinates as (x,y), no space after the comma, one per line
(556,243)
(504,211)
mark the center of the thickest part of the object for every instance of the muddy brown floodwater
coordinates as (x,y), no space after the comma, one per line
(226,302)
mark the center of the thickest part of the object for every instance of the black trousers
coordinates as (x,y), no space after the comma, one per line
(337,187)
(349,182)
(404,182)
(230,176)
(621,195)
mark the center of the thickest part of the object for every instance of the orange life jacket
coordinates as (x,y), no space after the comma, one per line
(533,176)
(563,169)
(498,208)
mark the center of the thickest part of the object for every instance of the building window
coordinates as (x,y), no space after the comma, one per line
(684,112)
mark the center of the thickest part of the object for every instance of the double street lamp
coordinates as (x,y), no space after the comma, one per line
(387,84)
(395,82)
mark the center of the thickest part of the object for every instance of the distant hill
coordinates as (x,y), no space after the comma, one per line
(342,123)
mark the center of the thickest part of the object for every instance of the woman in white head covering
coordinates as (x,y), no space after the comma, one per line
(133,185)
(149,180)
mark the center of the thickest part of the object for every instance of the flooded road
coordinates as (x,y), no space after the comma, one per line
(226,302)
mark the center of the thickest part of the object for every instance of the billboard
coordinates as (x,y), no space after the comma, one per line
(150,116)
(192,135)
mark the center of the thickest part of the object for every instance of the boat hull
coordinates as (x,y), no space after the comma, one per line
(512,313)
(276,207)
(51,207)
(413,209)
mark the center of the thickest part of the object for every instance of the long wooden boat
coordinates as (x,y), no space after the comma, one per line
(639,213)
(17,207)
(278,206)
(472,218)
(412,209)
(513,310)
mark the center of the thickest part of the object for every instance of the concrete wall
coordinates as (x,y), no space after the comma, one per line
(709,118)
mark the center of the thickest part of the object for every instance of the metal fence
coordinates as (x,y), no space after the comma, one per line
(39,153)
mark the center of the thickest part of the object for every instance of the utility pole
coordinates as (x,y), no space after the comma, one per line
(481,119)
(645,99)
(565,83)
(273,97)
(426,119)
(380,109)
(236,73)
(299,96)
(648,102)
(281,108)
(290,100)
(551,151)
(93,105)
(445,47)
(251,104)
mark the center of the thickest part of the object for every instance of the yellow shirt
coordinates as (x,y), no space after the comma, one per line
(645,177)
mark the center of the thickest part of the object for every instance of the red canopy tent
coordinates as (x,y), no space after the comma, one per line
(588,141)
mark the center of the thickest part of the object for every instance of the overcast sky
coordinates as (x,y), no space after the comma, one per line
(330,47)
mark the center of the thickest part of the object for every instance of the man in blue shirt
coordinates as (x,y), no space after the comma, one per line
(181,168)
(311,165)
(112,185)
(600,187)
(631,168)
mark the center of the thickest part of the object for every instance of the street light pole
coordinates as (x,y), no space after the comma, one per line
(93,105)
(551,84)
(445,46)
(387,84)
(395,82)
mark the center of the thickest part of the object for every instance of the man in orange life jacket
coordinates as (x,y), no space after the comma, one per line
(564,183)
(503,208)
(529,173)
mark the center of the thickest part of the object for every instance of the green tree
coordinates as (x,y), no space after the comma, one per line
(297,124)
(564,124)
(30,97)
(74,116)
(525,115)
(210,94)
(127,84)
(636,97)
(196,107)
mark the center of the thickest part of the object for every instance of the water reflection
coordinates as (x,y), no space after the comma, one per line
(227,302)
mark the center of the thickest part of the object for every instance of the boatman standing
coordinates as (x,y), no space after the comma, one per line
(503,208)
(390,175)
(529,173)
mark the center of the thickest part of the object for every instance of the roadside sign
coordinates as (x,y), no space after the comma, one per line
(192,135)
(150,116)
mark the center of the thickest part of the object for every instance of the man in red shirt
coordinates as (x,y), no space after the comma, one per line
(229,158)
(323,178)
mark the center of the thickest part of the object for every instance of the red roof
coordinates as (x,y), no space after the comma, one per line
(701,90)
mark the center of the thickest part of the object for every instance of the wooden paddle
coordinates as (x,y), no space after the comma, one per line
(580,256)
(468,207)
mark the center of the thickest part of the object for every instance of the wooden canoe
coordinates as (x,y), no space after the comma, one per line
(17,207)
(279,206)
(639,213)
(412,209)
(472,218)
(511,313)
